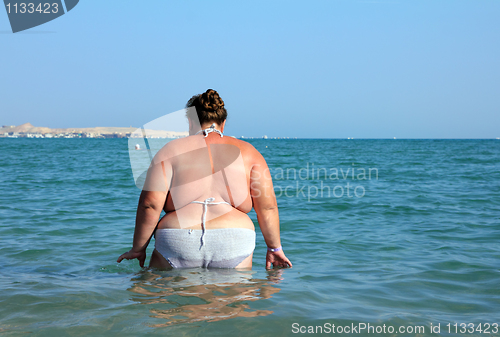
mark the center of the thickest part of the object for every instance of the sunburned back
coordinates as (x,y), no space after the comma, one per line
(215,168)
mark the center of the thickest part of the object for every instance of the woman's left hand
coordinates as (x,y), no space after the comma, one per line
(130,255)
(277,259)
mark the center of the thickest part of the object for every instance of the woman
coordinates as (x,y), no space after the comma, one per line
(206,184)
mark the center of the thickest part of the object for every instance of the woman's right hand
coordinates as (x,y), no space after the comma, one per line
(277,259)
(130,255)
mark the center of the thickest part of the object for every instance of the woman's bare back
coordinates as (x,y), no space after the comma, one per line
(209,167)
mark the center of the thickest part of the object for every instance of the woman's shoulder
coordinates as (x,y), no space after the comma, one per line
(242,145)
(249,151)
(175,147)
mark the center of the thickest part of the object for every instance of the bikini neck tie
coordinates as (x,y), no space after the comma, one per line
(210,129)
(208,201)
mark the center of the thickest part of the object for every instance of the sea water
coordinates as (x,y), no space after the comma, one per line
(392,235)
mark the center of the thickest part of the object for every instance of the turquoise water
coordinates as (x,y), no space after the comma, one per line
(413,244)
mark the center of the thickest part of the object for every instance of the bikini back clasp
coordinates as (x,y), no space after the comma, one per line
(210,129)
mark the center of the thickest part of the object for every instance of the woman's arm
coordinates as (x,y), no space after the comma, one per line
(151,203)
(148,213)
(266,207)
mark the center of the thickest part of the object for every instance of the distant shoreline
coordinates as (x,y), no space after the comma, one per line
(27,130)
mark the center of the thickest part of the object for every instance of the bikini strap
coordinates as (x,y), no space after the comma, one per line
(208,201)
(210,129)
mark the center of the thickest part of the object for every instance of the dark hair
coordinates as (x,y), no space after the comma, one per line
(209,107)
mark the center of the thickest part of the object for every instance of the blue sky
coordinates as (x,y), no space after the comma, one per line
(326,69)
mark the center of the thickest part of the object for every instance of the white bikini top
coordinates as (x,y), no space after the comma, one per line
(210,129)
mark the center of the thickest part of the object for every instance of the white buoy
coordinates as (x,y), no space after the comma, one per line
(137,147)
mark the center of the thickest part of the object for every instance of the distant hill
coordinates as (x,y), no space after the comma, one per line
(26,128)
(29,128)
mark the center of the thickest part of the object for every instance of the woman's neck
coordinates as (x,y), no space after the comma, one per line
(208,126)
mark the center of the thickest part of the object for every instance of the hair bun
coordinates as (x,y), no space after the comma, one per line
(209,107)
(210,100)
